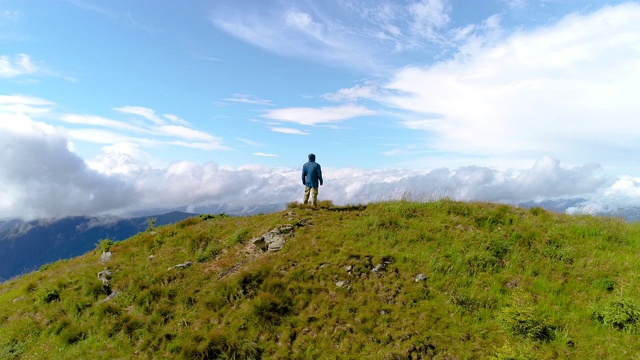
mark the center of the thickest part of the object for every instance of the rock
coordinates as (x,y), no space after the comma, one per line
(181,266)
(105,257)
(104,276)
(341,283)
(380,267)
(275,239)
(420,277)
(109,297)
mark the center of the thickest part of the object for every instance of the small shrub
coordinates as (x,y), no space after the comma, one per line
(216,216)
(48,295)
(151,224)
(621,314)
(104,245)
(523,320)
(509,352)
(12,350)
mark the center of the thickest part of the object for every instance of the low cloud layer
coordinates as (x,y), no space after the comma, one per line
(41,177)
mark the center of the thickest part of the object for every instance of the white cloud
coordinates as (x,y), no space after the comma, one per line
(41,177)
(186,133)
(99,121)
(427,17)
(315,116)
(18,66)
(20,104)
(261,154)
(285,130)
(144,134)
(248,99)
(564,89)
(121,158)
(175,119)
(354,93)
(144,112)
(355,34)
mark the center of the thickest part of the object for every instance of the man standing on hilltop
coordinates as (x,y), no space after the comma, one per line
(311,179)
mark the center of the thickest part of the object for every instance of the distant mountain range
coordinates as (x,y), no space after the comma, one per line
(26,246)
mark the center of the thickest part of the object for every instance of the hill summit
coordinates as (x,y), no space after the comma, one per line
(391,280)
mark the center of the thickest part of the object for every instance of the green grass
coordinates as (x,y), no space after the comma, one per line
(499,283)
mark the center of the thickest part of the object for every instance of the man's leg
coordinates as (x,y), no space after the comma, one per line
(314,196)
(307,191)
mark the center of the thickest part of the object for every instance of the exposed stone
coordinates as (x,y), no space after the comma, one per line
(273,240)
(105,276)
(181,266)
(341,283)
(105,257)
(420,277)
(380,267)
(109,297)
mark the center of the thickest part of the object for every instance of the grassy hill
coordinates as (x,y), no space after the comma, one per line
(393,280)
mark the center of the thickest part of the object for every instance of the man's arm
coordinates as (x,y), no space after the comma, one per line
(304,175)
(320,174)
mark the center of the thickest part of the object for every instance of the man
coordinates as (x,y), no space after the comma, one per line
(311,179)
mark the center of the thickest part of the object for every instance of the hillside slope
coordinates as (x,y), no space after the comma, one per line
(395,280)
(25,246)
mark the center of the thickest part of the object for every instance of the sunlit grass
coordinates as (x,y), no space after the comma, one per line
(495,282)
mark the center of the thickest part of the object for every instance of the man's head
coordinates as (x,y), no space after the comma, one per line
(312,157)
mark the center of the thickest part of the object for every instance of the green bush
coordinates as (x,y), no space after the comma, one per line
(104,245)
(621,314)
(48,295)
(523,320)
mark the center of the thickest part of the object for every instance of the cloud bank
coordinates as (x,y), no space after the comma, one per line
(41,177)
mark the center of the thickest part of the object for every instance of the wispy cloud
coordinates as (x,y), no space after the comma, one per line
(17,66)
(356,34)
(315,116)
(20,104)
(248,99)
(261,154)
(119,16)
(146,113)
(285,130)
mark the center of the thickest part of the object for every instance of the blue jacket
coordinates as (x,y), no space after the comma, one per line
(311,174)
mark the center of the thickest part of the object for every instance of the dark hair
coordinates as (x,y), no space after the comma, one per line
(312,157)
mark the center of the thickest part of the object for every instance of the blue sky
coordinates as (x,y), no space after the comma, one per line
(111,107)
